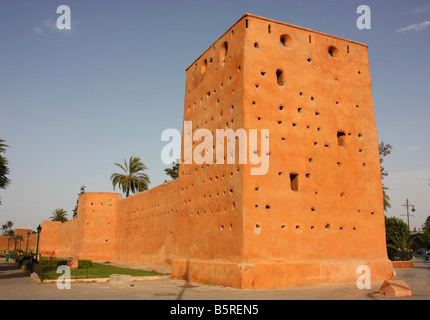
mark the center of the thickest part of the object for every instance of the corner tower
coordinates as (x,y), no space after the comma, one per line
(317,214)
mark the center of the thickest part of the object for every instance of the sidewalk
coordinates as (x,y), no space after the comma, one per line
(17,285)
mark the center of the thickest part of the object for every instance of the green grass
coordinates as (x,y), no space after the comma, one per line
(97,271)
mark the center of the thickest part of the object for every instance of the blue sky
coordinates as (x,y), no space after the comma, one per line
(72,103)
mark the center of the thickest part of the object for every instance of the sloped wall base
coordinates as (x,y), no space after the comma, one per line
(265,275)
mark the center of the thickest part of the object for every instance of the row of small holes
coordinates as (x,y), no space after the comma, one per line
(210,211)
(258,228)
(327,227)
(312,209)
(202,168)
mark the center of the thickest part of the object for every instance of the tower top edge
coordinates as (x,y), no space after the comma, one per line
(253,16)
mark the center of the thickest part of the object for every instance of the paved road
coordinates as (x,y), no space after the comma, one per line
(15,284)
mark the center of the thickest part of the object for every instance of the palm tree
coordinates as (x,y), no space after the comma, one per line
(134,180)
(59,215)
(386,198)
(4,169)
(403,247)
(3,146)
(16,238)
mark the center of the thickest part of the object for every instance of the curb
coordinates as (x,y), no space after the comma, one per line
(101,280)
(404,264)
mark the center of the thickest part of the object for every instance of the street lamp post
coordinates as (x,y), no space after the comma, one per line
(28,236)
(39,229)
(407,205)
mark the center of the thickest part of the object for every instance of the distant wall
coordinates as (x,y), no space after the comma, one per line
(5,243)
(137,229)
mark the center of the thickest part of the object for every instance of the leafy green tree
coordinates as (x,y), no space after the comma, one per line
(7,228)
(9,233)
(426,233)
(173,172)
(59,215)
(384,150)
(422,240)
(75,210)
(133,179)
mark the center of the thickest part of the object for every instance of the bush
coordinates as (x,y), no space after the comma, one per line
(27,265)
(55,263)
(52,263)
(21,258)
(85,263)
(25,261)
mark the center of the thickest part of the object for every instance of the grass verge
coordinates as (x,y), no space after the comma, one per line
(98,271)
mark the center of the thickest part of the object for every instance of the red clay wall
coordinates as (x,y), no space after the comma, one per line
(50,239)
(69,239)
(218,223)
(91,235)
(137,229)
(99,222)
(313,92)
(322,129)
(21,244)
(403,264)
(146,226)
(210,195)
(4,243)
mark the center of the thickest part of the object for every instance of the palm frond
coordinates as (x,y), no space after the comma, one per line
(133,179)
(59,215)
